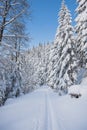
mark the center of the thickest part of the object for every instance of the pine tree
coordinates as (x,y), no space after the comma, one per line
(81,30)
(53,65)
(67,59)
(55,53)
(63,58)
(41,67)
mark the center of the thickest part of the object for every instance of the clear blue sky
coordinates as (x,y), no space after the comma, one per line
(44,21)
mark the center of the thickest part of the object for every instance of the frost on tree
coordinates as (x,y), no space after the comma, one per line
(10,10)
(10,78)
(41,63)
(53,65)
(81,30)
(64,64)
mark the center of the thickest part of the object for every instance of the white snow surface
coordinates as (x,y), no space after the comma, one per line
(43,109)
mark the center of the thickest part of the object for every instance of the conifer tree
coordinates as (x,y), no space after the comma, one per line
(64,63)
(52,65)
(81,30)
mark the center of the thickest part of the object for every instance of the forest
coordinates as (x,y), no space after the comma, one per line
(59,64)
(43,87)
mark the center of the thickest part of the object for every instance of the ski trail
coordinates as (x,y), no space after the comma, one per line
(49,121)
(57,120)
(53,123)
(45,121)
(40,123)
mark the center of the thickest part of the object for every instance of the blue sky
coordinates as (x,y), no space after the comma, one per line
(44,21)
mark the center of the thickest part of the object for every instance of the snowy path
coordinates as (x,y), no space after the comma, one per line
(50,120)
(44,110)
(47,120)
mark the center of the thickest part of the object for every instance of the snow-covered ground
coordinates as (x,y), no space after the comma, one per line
(43,109)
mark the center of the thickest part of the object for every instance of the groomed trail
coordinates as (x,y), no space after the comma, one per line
(43,110)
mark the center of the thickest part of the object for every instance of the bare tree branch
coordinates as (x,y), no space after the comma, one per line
(11,20)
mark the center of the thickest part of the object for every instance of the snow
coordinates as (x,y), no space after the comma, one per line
(79,89)
(43,109)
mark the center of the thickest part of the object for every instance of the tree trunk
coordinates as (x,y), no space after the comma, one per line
(4,20)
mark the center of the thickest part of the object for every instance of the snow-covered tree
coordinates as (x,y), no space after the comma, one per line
(27,73)
(53,64)
(81,30)
(10,77)
(63,58)
(12,35)
(10,10)
(67,59)
(41,63)
(33,68)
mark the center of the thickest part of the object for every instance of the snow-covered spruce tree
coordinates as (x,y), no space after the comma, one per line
(41,58)
(65,60)
(41,64)
(53,65)
(55,53)
(81,30)
(47,56)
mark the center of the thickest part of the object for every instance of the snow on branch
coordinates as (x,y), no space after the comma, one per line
(1,7)
(6,46)
(18,36)
(11,20)
(13,4)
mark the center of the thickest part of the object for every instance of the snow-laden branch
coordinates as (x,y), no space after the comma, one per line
(1,7)
(11,20)
(13,4)
(18,36)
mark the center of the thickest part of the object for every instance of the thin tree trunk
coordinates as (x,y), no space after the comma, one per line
(4,20)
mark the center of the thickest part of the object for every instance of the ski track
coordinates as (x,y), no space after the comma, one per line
(57,121)
(50,121)
(46,119)
(54,123)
